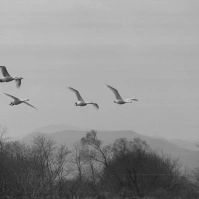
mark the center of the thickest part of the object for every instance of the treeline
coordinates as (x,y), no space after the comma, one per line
(124,169)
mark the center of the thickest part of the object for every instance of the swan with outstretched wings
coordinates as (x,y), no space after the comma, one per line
(119,99)
(18,101)
(80,101)
(8,78)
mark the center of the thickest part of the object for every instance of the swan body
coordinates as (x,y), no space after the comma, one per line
(119,99)
(80,101)
(18,101)
(8,78)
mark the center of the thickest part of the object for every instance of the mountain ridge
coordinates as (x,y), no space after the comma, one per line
(187,157)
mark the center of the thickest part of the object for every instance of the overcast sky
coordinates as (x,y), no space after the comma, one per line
(148,49)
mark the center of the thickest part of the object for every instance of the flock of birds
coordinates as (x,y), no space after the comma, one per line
(16,101)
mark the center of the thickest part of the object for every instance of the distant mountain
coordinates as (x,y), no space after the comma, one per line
(185,144)
(188,158)
(56,128)
(63,137)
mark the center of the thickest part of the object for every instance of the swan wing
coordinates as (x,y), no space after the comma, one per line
(18,83)
(30,105)
(13,97)
(4,71)
(95,105)
(134,99)
(116,93)
(76,93)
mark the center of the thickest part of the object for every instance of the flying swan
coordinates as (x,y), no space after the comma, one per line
(8,78)
(80,101)
(119,99)
(18,101)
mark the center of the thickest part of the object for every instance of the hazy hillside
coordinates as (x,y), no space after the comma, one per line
(185,144)
(187,157)
(55,128)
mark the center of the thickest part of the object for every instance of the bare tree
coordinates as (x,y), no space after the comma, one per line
(140,169)
(78,163)
(3,137)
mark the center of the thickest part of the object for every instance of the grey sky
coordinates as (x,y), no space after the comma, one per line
(147,49)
